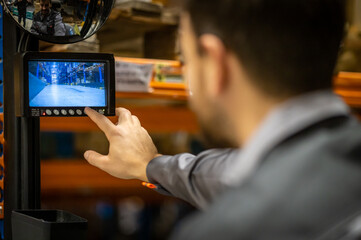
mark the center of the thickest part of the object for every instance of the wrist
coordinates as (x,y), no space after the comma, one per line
(143,176)
(157,155)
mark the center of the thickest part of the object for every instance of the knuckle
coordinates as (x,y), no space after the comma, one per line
(135,118)
(123,110)
(127,113)
(99,163)
(91,160)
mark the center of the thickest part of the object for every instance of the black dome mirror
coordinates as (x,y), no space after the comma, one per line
(59,21)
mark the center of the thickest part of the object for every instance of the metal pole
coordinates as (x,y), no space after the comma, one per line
(30,163)
(30,147)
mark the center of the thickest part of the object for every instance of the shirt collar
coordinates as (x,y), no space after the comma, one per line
(287,119)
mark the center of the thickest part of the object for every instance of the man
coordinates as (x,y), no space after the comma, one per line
(261,76)
(22,5)
(47,21)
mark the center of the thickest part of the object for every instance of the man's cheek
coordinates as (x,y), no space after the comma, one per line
(194,103)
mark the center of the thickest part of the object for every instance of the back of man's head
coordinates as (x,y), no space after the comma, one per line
(288,47)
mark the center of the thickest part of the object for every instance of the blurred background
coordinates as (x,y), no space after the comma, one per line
(350,58)
(145,32)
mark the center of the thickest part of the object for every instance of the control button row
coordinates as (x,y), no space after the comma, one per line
(63,112)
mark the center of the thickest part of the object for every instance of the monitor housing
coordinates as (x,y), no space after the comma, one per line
(63,84)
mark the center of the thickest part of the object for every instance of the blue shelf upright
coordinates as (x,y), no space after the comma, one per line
(1,127)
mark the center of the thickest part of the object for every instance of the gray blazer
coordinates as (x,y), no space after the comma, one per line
(194,179)
(302,188)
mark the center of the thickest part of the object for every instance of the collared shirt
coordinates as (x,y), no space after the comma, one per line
(199,179)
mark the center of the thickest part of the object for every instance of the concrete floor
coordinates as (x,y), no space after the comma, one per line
(69,96)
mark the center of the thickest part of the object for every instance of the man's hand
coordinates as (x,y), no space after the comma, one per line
(130,146)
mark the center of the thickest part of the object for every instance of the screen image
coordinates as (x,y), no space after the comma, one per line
(66,84)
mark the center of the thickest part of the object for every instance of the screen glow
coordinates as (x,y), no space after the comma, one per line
(66,84)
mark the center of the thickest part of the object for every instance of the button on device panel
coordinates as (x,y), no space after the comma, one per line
(64,112)
(48,112)
(101,111)
(56,112)
(79,112)
(71,112)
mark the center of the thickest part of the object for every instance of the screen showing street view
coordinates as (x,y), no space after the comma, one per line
(66,84)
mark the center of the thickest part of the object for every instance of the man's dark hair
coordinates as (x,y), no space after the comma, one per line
(288,47)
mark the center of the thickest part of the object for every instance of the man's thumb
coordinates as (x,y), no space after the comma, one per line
(94,158)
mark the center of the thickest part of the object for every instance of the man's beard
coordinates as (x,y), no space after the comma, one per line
(216,131)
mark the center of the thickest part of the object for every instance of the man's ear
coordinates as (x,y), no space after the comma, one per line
(214,64)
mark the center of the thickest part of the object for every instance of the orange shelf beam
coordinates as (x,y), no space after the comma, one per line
(78,178)
(170,94)
(153,118)
(348,86)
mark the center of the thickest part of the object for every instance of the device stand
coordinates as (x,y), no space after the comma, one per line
(30,162)
(22,161)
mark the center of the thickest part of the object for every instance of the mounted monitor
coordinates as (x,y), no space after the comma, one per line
(63,84)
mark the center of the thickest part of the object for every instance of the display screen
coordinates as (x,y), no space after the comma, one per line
(66,83)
